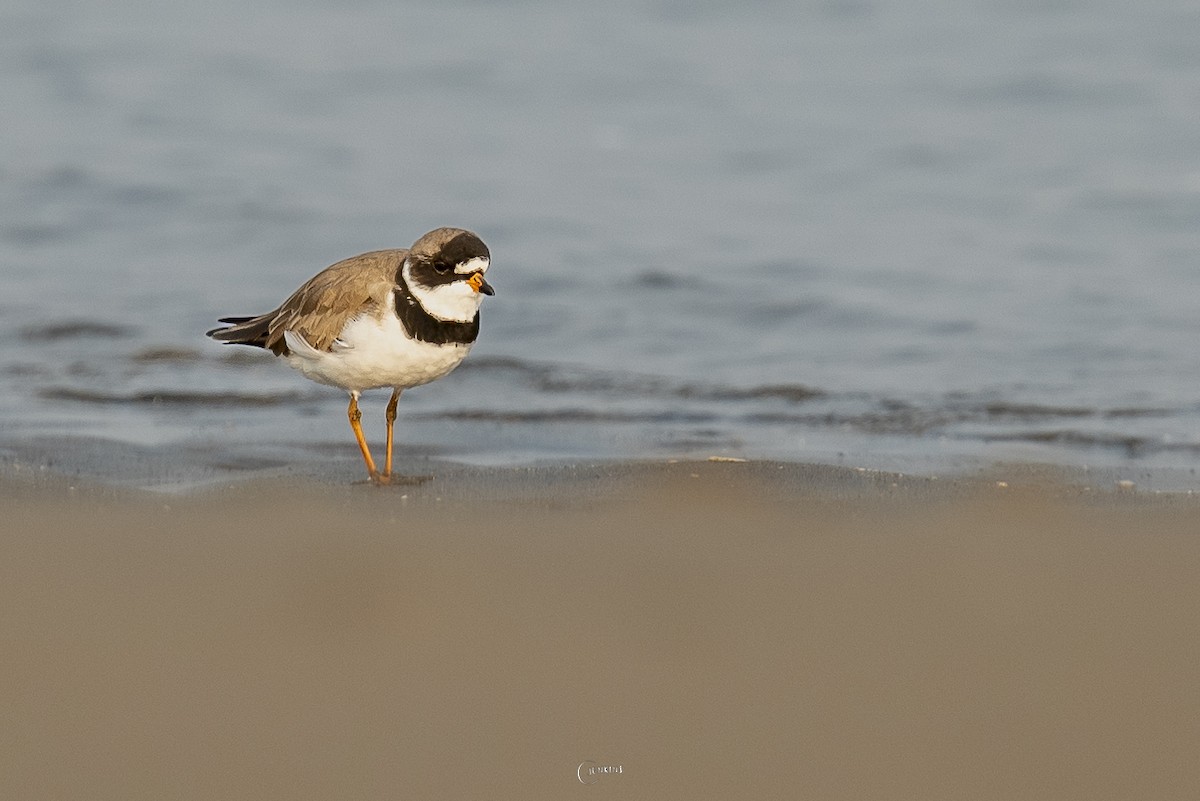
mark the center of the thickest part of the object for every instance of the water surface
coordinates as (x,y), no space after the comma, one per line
(915,235)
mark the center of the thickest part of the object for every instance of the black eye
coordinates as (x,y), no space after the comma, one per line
(441,268)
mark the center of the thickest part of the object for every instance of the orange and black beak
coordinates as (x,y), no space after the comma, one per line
(479,284)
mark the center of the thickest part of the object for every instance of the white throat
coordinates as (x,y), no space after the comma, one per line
(455,302)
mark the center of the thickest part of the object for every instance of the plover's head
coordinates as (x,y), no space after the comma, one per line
(444,271)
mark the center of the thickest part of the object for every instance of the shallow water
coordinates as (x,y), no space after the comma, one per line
(912,235)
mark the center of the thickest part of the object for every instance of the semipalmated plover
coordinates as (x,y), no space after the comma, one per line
(389,318)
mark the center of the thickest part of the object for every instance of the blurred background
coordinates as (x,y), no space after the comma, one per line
(914,235)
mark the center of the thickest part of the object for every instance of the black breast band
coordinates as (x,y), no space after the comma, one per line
(424,327)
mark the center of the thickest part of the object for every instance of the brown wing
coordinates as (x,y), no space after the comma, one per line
(319,310)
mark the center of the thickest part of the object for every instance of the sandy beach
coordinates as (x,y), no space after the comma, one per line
(654,630)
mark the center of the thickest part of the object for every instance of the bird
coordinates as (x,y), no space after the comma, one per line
(394,318)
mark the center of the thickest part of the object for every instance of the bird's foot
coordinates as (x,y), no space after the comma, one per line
(394,480)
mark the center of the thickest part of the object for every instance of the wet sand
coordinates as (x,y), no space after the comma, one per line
(713,630)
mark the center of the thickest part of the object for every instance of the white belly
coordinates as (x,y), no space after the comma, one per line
(373,353)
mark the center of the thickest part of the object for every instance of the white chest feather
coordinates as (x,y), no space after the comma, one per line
(373,353)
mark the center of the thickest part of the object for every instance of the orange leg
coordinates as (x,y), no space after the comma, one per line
(390,416)
(355,417)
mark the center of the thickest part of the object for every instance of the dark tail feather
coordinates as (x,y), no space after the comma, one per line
(243,331)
